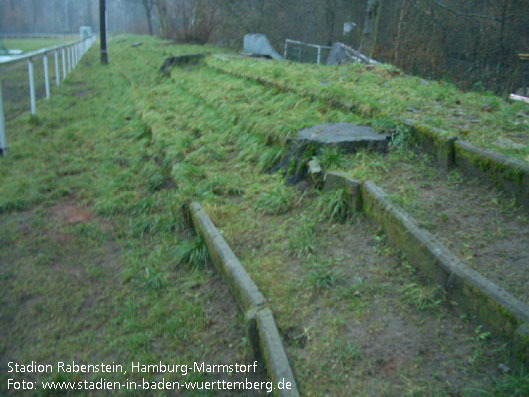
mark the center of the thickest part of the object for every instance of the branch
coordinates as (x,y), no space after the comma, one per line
(464,14)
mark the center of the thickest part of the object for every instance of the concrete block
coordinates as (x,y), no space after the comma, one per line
(315,173)
(343,136)
(229,267)
(274,354)
(337,180)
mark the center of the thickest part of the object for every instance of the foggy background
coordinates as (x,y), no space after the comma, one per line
(473,43)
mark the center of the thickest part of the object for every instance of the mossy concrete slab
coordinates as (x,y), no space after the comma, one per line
(344,136)
(260,326)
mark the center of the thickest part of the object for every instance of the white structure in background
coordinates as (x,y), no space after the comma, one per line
(348,27)
(74,52)
(85,32)
(258,44)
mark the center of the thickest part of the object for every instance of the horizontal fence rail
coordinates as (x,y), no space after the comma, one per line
(68,54)
(300,44)
(36,35)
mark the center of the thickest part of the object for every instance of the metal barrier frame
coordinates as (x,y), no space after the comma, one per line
(71,52)
(300,43)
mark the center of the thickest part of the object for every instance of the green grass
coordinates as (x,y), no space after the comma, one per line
(354,318)
(383,91)
(29,45)
(109,287)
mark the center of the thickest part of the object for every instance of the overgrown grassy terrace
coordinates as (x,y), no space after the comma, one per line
(382,91)
(492,240)
(223,127)
(354,318)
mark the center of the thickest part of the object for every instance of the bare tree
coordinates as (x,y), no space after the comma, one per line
(330,20)
(369,33)
(147,6)
(403,9)
(161,12)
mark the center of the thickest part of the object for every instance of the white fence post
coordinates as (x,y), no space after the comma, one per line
(3,141)
(286,44)
(57,77)
(31,88)
(69,56)
(63,64)
(46,78)
(319,54)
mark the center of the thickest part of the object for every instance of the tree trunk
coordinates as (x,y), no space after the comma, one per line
(369,33)
(161,10)
(89,20)
(403,9)
(147,4)
(330,17)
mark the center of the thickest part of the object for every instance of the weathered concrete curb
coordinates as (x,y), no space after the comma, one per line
(433,142)
(260,325)
(510,175)
(274,354)
(502,312)
(351,188)
(230,268)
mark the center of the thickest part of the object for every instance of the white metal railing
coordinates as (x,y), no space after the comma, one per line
(71,54)
(6,35)
(300,43)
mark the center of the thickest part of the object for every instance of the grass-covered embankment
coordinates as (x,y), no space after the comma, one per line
(232,131)
(383,91)
(353,316)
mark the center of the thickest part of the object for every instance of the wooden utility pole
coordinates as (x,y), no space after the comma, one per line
(103,32)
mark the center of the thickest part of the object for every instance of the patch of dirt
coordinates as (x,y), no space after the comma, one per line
(359,333)
(56,278)
(70,214)
(81,94)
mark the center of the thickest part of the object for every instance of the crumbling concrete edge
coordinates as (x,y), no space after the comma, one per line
(508,174)
(260,325)
(500,311)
